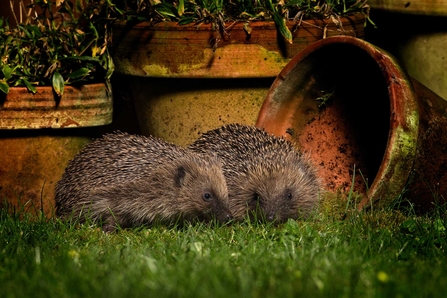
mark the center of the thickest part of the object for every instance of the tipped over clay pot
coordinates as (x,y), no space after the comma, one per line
(358,114)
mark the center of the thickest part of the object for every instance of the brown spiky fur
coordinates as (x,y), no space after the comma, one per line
(132,180)
(264,173)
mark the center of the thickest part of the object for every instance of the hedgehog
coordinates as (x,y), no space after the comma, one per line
(267,177)
(124,180)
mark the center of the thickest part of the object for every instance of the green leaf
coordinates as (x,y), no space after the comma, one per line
(29,85)
(282,27)
(78,5)
(181,7)
(166,10)
(80,73)
(108,65)
(34,31)
(8,71)
(58,83)
(186,20)
(4,87)
(120,12)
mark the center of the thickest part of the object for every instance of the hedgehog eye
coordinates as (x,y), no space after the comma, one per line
(207,197)
(289,196)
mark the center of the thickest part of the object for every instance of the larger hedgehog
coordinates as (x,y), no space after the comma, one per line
(266,175)
(131,180)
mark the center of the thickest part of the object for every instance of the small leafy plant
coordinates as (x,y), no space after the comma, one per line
(219,12)
(56,43)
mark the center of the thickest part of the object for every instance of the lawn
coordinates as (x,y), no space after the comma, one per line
(336,253)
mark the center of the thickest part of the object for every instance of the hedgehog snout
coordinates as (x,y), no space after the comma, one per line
(271,216)
(225,216)
(229,217)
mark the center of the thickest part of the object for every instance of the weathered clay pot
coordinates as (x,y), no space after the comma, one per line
(185,80)
(33,154)
(82,106)
(350,106)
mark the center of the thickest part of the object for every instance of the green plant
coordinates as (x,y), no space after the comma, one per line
(219,12)
(58,43)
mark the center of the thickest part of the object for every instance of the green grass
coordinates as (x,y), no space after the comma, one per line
(377,254)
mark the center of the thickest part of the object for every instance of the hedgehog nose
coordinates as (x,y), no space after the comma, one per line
(271,216)
(229,217)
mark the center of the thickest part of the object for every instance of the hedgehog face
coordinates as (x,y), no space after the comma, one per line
(290,193)
(274,193)
(203,192)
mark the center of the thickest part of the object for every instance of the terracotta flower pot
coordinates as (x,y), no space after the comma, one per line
(185,80)
(354,110)
(33,153)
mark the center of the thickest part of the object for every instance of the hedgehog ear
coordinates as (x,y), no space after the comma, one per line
(179,176)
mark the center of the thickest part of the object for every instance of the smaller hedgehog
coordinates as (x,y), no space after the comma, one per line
(267,177)
(131,180)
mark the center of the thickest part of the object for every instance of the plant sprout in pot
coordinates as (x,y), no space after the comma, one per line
(222,13)
(55,44)
(175,56)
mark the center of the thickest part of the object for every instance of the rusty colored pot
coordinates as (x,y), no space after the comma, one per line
(82,106)
(350,105)
(181,86)
(33,155)
(169,50)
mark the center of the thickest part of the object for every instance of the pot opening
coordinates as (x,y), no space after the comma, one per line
(334,104)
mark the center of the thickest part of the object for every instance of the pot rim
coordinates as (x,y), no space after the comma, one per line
(261,24)
(83,105)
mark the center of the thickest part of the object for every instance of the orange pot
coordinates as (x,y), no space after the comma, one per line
(33,155)
(350,105)
(169,50)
